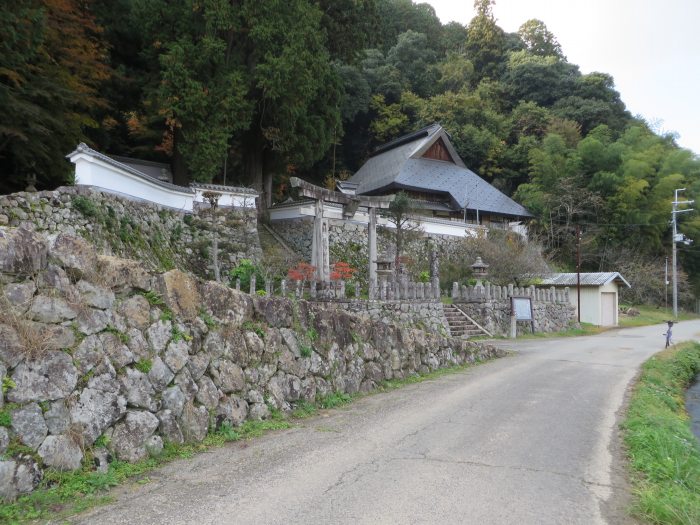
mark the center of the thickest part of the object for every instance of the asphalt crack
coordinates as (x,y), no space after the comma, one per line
(426,458)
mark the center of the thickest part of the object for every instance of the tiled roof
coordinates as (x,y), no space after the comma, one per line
(400,165)
(219,187)
(135,168)
(85,149)
(587,279)
(157,170)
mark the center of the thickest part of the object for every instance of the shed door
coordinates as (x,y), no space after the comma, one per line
(608,306)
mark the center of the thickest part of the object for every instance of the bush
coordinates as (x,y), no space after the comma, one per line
(244,271)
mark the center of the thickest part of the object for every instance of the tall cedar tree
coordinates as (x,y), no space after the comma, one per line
(253,76)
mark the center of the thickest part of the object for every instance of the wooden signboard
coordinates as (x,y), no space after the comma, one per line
(521,310)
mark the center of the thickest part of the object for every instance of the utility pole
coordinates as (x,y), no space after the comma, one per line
(677,237)
(666,284)
(578,271)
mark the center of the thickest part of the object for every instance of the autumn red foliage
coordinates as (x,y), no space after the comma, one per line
(302,272)
(342,271)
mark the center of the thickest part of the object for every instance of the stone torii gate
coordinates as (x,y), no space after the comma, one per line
(320,252)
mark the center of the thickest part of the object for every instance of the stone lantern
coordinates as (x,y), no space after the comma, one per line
(480,270)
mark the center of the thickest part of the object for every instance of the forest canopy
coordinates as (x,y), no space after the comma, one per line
(252,92)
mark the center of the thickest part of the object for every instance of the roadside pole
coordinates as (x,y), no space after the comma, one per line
(677,237)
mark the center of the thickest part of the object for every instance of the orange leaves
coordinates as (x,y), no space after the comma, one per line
(342,271)
(302,272)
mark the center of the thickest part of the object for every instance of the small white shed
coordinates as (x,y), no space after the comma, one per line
(599,294)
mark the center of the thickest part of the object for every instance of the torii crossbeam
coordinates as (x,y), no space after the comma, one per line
(320,251)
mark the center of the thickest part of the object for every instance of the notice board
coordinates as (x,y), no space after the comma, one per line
(521,310)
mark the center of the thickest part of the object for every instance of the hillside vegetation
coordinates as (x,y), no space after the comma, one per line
(251,92)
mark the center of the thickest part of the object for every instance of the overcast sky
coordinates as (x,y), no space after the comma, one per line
(650,47)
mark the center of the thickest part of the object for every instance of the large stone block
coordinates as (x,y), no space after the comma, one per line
(61,452)
(19,295)
(11,349)
(160,375)
(131,435)
(18,476)
(228,376)
(233,410)
(137,311)
(29,425)
(194,423)
(46,378)
(138,390)
(226,304)
(96,296)
(46,309)
(181,293)
(123,275)
(22,252)
(177,355)
(96,410)
(73,254)
(158,335)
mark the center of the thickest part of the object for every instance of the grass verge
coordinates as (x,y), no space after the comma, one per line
(585,329)
(63,494)
(651,315)
(664,454)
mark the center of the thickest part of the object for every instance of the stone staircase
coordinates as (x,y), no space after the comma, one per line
(461,325)
(272,244)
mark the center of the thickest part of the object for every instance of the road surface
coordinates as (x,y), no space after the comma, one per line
(528,439)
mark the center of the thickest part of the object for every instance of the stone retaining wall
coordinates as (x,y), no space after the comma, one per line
(160,237)
(418,314)
(100,358)
(494,315)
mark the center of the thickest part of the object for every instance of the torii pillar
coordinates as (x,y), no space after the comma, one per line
(320,245)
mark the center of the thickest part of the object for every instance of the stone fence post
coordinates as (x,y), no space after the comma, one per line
(252,285)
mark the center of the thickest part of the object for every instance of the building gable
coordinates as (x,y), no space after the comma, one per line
(439,151)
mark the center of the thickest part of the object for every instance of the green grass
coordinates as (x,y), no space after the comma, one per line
(664,454)
(334,400)
(585,329)
(304,409)
(153,298)
(393,384)
(144,365)
(649,315)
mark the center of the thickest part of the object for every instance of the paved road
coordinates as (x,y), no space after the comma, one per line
(528,439)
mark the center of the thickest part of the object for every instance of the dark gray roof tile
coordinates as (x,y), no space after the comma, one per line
(397,166)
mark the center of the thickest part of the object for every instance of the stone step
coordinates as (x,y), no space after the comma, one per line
(459,325)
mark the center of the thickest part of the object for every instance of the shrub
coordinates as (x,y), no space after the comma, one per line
(244,271)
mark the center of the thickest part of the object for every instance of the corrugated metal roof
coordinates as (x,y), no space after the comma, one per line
(587,279)
(401,167)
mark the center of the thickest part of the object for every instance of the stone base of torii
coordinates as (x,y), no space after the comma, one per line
(320,245)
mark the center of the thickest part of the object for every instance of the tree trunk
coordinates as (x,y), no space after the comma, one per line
(253,166)
(266,197)
(180,173)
